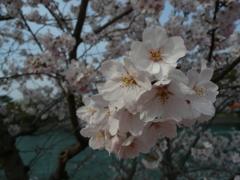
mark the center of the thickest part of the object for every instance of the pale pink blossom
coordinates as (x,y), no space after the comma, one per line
(157,54)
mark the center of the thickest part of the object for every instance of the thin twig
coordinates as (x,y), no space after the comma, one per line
(178,170)
(29,29)
(28,74)
(48,108)
(56,18)
(96,31)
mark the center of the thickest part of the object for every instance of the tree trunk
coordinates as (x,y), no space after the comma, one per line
(9,156)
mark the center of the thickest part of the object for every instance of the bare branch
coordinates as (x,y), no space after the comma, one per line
(212,168)
(78,28)
(56,18)
(227,70)
(168,156)
(4,18)
(29,29)
(28,74)
(178,170)
(229,87)
(28,130)
(63,158)
(9,155)
(212,47)
(132,170)
(48,108)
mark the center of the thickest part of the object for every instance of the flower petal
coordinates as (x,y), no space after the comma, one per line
(112,68)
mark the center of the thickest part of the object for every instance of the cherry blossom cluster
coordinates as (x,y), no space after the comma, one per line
(59,45)
(44,63)
(36,17)
(152,7)
(13,6)
(80,76)
(145,96)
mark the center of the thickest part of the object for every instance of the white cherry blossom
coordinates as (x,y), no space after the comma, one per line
(125,82)
(205,91)
(157,54)
(166,102)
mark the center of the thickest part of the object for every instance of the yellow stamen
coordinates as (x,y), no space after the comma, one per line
(90,111)
(100,136)
(201,92)
(127,81)
(156,54)
(163,95)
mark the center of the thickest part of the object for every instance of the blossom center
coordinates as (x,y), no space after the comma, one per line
(127,81)
(157,126)
(163,95)
(155,54)
(91,111)
(107,110)
(132,145)
(100,136)
(201,92)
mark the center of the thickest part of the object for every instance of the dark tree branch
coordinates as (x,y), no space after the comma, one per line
(74,119)
(216,10)
(229,87)
(222,169)
(48,108)
(78,28)
(132,170)
(96,31)
(63,158)
(28,130)
(29,29)
(9,156)
(28,74)
(227,70)
(62,18)
(56,18)
(5,18)
(178,170)
(212,47)
(168,156)
(72,55)
(66,154)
